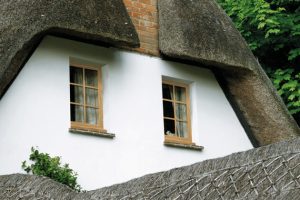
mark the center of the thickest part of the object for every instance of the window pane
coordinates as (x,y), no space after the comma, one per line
(76,94)
(76,75)
(76,113)
(167,91)
(169,127)
(181,129)
(91,78)
(168,109)
(181,111)
(91,97)
(92,116)
(180,94)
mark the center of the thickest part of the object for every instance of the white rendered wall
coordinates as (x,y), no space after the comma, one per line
(35,112)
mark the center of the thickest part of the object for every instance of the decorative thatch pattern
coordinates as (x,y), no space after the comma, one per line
(271,172)
(200,32)
(264,178)
(24,23)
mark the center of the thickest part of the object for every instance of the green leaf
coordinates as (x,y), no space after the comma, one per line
(261,25)
(291,85)
(287,77)
(294,53)
(272,31)
(291,97)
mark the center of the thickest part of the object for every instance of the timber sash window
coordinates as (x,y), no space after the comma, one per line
(176,109)
(85,98)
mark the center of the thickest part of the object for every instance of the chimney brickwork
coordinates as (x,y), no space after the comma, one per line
(144,16)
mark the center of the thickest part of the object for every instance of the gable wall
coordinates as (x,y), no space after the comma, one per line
(144,15)
(35,111)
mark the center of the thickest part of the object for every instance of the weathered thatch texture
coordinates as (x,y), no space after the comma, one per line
(262,108)
(270,172)
(24,23)
(20,186)
(201,32)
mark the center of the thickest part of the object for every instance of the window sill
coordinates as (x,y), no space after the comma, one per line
(185,146)
(95,133)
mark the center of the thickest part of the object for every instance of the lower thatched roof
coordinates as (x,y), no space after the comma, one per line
(270,172)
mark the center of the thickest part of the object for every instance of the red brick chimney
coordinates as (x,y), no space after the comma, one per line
(144,16)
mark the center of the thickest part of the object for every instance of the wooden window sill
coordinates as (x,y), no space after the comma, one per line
(185,146)
(95,133)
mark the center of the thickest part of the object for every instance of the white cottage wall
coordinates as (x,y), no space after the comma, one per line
(35,112)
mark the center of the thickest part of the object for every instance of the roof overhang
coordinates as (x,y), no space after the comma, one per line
(24,23)
(201,32)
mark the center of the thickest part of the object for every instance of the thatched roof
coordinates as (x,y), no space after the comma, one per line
(24,23)
(200,32)
(270,172)
(190,31)
(197,31)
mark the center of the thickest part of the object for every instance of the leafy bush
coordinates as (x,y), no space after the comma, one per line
(44,165)
(287,83)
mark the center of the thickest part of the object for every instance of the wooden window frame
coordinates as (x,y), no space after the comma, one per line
(177,139)
(83,125)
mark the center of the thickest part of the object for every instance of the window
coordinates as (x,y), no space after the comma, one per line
(86,98)
(176,109)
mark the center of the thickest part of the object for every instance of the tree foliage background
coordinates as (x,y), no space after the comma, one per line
(272,30)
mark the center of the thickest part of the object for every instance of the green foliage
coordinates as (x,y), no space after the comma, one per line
(272,30)
(287,83)
(44,165)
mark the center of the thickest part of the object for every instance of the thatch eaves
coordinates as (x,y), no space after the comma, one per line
(199,31)
(24,23)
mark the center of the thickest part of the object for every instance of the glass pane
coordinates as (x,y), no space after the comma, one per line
(91,78)
(181,111)
(167,91)
(92,116)
(181,129)
(168,109)
(76,113)
(91,97)
(180,94)
(169,127)
(76,94)
(76,75)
